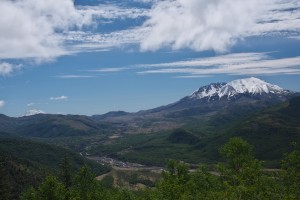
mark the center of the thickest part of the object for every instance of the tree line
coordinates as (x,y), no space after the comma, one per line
(240,176)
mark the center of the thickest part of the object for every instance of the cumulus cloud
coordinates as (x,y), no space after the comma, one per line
(58,98)
(2,103)
(233,64)
(28,28)
(37,29)
(8,68)
(51,28)
(218,24)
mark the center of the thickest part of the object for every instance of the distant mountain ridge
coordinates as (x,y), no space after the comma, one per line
(216,96)
(234,99)
(265,114)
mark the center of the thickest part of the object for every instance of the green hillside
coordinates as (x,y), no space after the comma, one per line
(270,131)
(25,163)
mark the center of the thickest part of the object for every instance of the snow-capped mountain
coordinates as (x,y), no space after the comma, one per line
(249,86)
(33,112)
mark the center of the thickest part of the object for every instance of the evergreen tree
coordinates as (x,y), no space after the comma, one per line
(52,189)
(66,172)
(4,182)
(85,184)
(290,175)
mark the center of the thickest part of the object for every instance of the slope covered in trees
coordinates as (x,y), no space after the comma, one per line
(240,176)
(24,163)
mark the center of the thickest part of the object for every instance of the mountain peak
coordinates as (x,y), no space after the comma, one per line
(33,112)
(251,86)
(254,86)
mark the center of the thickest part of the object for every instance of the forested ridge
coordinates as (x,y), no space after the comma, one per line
(240,176)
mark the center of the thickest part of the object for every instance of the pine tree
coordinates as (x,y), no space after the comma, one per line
(4,182)
(66,172)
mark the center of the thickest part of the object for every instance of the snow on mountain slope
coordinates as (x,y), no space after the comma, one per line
(252,86)
(33,112)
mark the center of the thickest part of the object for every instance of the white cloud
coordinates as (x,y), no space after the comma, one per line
(107,70)
(216,25)
(233,64)
(146,1)
(2,103)
(111,12)
(6,68)
(36,29)
(228,59)
(74,76)
(58,98)
(50,28)
(295,37)
(30,104)
(28,28)
(192,76)
(86,41)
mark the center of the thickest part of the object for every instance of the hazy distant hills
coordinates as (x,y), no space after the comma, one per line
(237,98)
(46,125)
(216,103)
(190,129)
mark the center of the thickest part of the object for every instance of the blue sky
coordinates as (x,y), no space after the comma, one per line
(90,57)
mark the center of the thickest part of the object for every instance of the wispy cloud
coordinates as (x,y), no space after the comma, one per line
(2,103)
(192,76)
(108,70)
(110,12)
(87,41)
(233,64)
(58,98)
(30,104)
(228,59)
(74,76)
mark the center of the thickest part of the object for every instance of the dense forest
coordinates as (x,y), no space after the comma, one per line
(239,176)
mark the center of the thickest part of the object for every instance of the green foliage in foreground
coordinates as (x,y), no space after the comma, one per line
(25,163)
(241,176)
